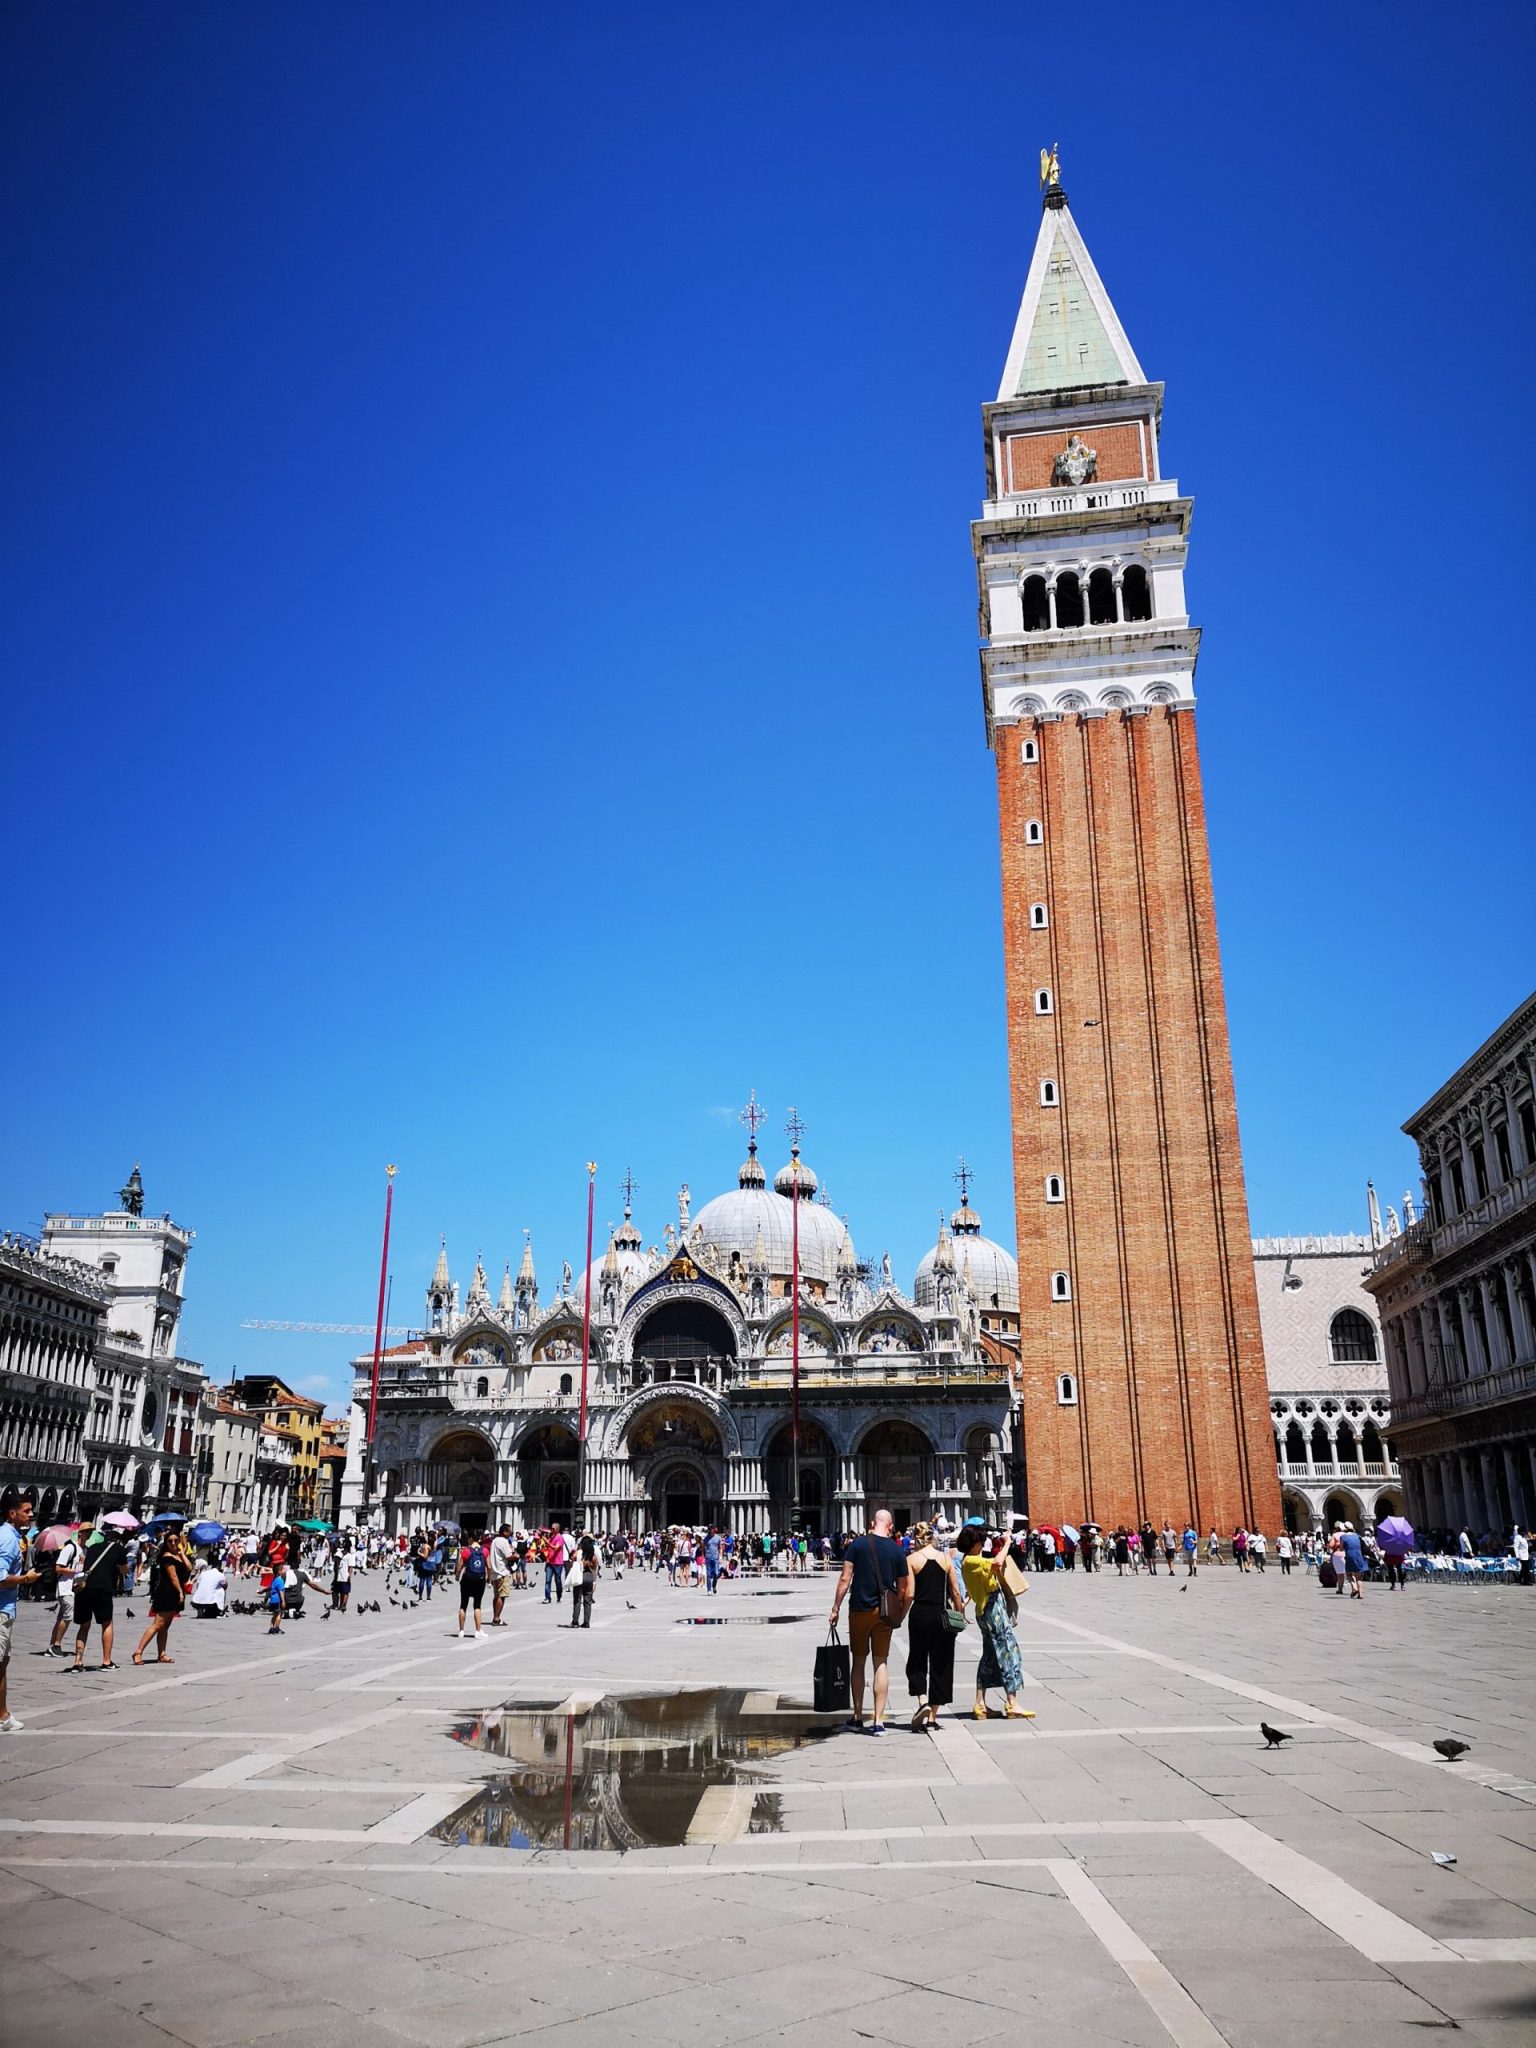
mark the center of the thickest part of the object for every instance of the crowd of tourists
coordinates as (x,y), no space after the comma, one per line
(84,1570)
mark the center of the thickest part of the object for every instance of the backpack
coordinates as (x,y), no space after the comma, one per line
(474,1566)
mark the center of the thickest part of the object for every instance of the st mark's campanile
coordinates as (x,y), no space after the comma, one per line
(1143,1389)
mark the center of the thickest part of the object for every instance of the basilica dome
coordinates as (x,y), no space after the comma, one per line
(626,1252)
(992,1270)
(733,1223)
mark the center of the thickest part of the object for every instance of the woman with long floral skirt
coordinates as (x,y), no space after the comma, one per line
(1000,1664)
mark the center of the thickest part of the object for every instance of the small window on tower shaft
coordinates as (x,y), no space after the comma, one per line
(1047,1094)
(1042,1002)
(1066,1390)
(1054,1191)
(1030,751)
(1038,919)
(1061,1287)
(1034,833)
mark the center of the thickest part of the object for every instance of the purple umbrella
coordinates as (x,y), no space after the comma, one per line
(1395,1535)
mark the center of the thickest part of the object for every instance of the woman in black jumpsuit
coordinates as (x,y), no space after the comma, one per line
(930,1640)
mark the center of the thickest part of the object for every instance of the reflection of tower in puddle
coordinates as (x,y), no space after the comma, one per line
(651,1770)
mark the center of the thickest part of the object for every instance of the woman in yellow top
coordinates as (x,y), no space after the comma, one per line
(1000,1662)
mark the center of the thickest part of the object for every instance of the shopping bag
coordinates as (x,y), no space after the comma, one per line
(832,1688)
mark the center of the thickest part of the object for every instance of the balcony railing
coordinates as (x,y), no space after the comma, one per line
(1452,1396)
(1341,1468)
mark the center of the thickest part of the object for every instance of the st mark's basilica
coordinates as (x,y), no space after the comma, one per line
(905,1399)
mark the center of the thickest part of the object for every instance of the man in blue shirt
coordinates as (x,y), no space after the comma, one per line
(874,1566)
(12,1579)
(712,1561)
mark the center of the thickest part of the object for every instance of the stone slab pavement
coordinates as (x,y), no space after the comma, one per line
(240,1848)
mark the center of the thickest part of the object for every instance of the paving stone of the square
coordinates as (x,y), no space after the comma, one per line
(240,1848)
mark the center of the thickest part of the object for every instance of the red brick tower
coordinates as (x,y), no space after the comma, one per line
(1143,1386)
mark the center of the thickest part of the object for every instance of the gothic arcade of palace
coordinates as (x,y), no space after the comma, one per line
(1117,1371)
(904,1400)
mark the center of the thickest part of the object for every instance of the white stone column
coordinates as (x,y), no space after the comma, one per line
(1498,1351)
(1472,1337)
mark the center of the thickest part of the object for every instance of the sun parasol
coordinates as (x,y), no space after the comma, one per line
(119,1519)
(166,1519)
(1393,1533)
(207,1532)
(1072,1535)
(52,1538)
(312,1527)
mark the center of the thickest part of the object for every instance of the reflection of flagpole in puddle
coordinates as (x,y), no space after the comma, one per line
(570,1737)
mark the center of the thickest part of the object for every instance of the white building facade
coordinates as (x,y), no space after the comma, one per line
(1329,1398)
(51,1317)
(905,1400)
(141,1448)
(1456,1287)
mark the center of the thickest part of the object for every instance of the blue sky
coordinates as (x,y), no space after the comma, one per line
(490,624)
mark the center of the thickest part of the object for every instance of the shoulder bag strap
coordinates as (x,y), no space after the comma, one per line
(875,1555)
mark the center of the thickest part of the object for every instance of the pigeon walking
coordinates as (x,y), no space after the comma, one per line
(631,1606)
(1450,1748)
(1273,1737)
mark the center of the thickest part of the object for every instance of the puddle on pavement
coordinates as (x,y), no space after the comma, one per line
(739,1620)
(631,1771)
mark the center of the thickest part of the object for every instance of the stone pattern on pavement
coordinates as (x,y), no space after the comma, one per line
(238,1849)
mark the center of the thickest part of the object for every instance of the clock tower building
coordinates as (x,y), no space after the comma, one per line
(1143,1391)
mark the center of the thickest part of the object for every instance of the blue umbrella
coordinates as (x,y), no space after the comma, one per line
(207,1532)
(167,1520)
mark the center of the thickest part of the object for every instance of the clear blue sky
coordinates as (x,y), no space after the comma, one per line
(490,624)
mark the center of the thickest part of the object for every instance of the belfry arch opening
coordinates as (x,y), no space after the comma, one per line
(690,1341)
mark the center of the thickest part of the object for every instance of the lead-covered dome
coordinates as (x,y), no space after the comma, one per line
(754,1215)
(990,1271)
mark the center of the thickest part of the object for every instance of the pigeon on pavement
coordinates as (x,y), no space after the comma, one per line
(1273,1737)
(1450,1748)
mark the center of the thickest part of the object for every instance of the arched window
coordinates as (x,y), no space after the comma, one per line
(1322,1449)
(1037,605)
(1042,1002)
(1101,598)
(1295,1444)
(1136,593)
(1345,1442)
(1351,1338)
(1034,833)
(1048,1098)
(482,1387)
(1029,750)
(1069,600)
(565,1383)
(1055,1190)
(1066,1390)
(1038,919)
(1061,1287)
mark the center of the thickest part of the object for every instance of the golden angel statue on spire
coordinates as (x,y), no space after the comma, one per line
(1050,169)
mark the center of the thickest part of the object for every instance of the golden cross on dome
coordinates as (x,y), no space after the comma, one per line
(794,1128)
(627,1186)
(753,1115)
(963,1176)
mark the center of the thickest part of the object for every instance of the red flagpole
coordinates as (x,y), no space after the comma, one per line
(794,1367)
(586,1314)
(378,1328)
